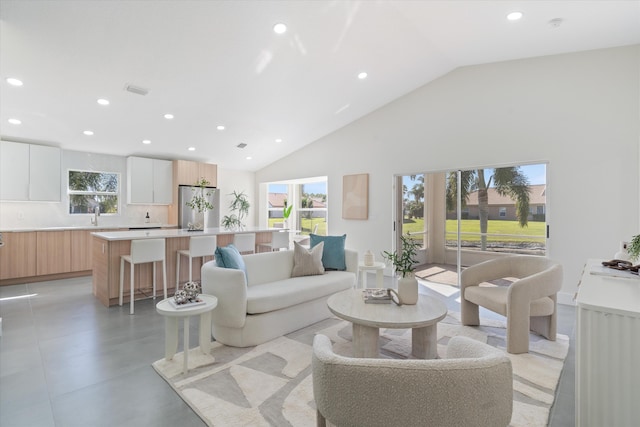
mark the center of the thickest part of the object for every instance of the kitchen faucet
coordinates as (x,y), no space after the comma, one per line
(96,214)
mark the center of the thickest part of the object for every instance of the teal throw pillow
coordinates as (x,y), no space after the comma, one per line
(333,253)
(229,257)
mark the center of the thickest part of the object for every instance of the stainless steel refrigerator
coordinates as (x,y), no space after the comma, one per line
(186,215)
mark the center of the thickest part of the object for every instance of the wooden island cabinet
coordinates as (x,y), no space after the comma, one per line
(108,247)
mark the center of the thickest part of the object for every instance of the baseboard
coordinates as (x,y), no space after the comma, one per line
(566,298)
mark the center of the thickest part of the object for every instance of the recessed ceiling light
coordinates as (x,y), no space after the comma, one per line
(146,141)
(514,16)
(14,82)
(168,116)
(220,127)
(555,22)
(279,140)
(362,75)
(88,132)
(191,148)
(279,28)
(103,101)
(249,157)
(14,121)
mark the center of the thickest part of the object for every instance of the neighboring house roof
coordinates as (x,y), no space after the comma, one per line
(538,197)
(276,200)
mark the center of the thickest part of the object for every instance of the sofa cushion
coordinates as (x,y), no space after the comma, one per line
(230,257)
(333,253)
(280,294)
(307,262)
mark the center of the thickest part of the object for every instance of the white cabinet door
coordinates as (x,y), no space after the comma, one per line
(14,171)
(139,180)
(162,182)
(149,181)
(44,173)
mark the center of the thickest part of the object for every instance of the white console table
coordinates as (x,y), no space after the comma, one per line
(608,348)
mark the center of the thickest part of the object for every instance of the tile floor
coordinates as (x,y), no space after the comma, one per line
(66,360)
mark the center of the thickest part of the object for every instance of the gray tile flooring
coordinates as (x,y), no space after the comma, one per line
(66,360)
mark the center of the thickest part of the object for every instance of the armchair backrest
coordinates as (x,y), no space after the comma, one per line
(473,386)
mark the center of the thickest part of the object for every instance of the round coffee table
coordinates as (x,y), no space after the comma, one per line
(172,314)
(367,319)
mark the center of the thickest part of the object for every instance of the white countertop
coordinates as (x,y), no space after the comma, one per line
(170,233)
(608,293)
(89,227)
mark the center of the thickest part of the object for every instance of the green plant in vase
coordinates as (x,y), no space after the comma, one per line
(633,249)
(404,265)
(200,203)
(239,207)
(286,212)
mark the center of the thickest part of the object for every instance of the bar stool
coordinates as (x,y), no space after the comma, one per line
(279,239)
(143,251)
(245,242)
(199,247)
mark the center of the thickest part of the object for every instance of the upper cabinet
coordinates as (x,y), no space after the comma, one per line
(188,172)
(149,181)
(29,172)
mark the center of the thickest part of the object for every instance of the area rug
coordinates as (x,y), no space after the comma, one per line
(271,385)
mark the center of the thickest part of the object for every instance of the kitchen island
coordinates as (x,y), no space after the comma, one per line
(109,246)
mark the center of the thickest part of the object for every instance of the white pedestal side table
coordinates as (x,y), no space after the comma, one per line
(172,314)
(378,267)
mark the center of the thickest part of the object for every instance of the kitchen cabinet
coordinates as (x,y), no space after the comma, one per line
(29,172)
(188,173)
(53,252)
(149,181)
(18,255)
(82,249)
(607,348)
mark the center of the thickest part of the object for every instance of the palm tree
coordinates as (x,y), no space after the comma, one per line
(508,181)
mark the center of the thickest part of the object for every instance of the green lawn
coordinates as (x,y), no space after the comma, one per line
(534,232)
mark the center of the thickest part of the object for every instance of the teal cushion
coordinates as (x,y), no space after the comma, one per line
(333,253)
(229,257)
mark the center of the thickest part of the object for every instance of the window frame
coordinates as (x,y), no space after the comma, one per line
(94,193)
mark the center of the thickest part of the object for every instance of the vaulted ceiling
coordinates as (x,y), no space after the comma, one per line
(220,63)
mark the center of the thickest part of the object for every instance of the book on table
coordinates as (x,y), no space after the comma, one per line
(376,296)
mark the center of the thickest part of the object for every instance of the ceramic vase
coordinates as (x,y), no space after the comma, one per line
(368,258)
(408,289)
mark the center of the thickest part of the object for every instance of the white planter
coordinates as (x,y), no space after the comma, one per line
(408,289)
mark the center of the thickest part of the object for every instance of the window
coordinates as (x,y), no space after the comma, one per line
(503,212)
(309,200)
(88,190)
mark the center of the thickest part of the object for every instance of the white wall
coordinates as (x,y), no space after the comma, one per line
(579,112)
(233,180)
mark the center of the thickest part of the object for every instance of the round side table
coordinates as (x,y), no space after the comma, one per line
(172,314)
(378,267)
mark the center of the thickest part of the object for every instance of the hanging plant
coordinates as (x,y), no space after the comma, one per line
(200,201)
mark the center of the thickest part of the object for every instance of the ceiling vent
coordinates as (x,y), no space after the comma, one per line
(241,145)
(136,89)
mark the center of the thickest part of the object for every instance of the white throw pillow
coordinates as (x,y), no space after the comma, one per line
(307,262)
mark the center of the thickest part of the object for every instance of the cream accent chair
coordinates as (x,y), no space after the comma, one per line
(529,303)
(473,386)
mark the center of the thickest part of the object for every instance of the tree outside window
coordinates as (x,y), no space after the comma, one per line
(88,190)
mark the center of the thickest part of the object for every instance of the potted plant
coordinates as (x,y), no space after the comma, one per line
(404,266)
(633,248)
(239,207)
(286,212)
(200,203)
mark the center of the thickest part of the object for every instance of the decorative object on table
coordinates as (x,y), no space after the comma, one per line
(200,204)
(239,207)
(376,296)
(187,296)
(404,265)
(355,196)
(368,259)
(622,265)
(286,212)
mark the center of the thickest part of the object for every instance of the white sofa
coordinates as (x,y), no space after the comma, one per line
(270,303)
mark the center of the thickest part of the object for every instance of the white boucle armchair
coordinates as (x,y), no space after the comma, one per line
(471,387)
(529,303)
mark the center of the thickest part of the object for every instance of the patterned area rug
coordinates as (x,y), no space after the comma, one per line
(271,385)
